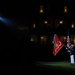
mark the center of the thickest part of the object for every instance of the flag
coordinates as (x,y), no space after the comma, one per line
(68,40)
(57,44)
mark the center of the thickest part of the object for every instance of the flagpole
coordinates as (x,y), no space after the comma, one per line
(66,48)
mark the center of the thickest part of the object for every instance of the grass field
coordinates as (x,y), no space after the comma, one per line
(56,67)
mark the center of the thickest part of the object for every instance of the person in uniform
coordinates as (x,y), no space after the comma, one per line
(71,50)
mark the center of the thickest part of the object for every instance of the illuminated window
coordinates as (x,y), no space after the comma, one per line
(65,9)
(43,39)
(74,40)
(45,22)
(33,38)
(41,9)
(72,26)
(34,25)
(61,22)
(64,38)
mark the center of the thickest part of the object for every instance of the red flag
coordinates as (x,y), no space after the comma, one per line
(57,44)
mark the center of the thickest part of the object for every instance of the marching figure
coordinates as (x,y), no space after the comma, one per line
(71,50)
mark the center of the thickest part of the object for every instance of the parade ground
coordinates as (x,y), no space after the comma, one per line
(60,67)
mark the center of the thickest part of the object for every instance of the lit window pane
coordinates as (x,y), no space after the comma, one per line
(41,9)
(65,9)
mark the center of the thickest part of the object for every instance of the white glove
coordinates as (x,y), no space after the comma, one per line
(68,50)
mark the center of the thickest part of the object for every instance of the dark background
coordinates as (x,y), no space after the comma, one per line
(16,50)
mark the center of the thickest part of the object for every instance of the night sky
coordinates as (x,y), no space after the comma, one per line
(29,8)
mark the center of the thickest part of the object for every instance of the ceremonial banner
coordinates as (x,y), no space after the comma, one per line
(57,44)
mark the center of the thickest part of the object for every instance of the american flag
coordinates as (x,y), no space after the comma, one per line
(68,40)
